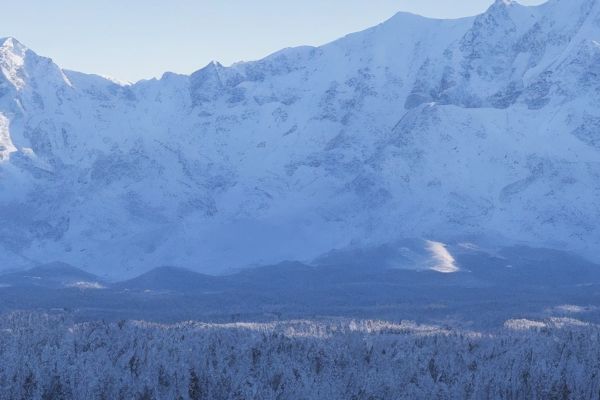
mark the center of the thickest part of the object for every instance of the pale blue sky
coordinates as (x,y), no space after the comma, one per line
(135,39)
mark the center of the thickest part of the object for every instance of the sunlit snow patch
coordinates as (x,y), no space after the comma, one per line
(468,246)
(6,144)
(442,259)
(86,285)
(574,309)
(523,324)
(556,323)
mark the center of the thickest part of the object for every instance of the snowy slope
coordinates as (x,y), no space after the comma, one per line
(481,129)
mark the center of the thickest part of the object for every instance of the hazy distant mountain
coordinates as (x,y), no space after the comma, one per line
(52,276)
(482,130)
(172,279)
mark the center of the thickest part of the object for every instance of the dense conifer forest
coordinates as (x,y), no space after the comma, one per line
(51,357)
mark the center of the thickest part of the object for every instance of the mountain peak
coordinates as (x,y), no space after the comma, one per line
(10,45)
(20,65)
(12,60)
(10,42)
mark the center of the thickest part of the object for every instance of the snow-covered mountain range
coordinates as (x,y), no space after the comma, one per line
(480,130)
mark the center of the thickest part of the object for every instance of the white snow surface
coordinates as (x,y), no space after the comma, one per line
(447,130)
